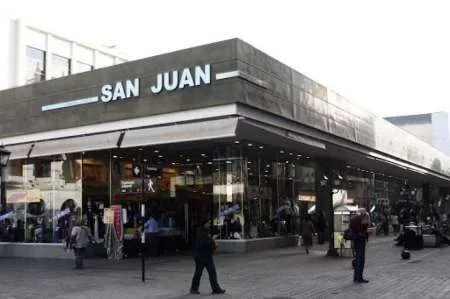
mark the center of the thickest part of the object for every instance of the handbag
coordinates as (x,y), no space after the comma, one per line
(349,234)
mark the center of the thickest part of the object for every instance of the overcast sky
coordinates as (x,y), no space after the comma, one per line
(392,57)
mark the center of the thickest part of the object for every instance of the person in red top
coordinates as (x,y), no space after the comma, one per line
(359,225)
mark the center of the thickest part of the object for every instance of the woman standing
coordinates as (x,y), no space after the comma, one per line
(307,232)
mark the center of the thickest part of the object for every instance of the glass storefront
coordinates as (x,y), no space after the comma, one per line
(42,193)
(247,190)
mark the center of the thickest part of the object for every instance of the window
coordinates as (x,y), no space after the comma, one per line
(60,66)
(35,65)
(83,67)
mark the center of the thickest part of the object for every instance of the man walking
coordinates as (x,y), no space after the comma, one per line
(359,225)
(80,237)
(203,256)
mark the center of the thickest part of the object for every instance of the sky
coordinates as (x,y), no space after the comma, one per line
(391,57)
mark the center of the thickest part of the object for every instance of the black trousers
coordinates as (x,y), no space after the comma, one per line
(360,252)
(79,257)
(200,264)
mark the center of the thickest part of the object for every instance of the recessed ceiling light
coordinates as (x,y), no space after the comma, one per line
(237,142)
(140,149)
(156,151)
(307,157)
(160,156)
(229,162)
(290,154)
(261,147)
(210,163)
(281,152)
(114,157)
(268,165)
(188,160)
(145,160)
(249,162)
(203,155)
(250,144)
(299,155)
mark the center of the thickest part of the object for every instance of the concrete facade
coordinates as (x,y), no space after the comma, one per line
(433,128)
(261,83)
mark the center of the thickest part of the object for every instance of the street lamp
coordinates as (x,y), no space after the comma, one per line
(4,158)
(335,182)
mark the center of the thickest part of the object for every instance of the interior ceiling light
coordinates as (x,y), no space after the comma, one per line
(237,142)
(261,147)
(156,151)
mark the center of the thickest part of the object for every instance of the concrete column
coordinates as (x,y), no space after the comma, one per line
(20,52)
(426,197)
(73,58)
(49,57)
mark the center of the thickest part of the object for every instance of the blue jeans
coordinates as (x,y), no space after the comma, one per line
(360,251)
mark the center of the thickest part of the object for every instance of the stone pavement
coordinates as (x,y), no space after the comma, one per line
(282,273)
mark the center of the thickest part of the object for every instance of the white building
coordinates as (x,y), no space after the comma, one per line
(30,54)
(432,128)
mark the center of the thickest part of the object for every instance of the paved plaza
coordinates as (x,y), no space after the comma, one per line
(283,273)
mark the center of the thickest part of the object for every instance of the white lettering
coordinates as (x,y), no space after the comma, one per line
(119,92)
(171,86)
(106,93)
(132,88)
(186,79)
(159,84)
(203,75)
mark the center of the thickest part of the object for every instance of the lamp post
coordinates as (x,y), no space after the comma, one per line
(331,184)
(4,158)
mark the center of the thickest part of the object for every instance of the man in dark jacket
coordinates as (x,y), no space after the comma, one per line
(203,256)
(359,225)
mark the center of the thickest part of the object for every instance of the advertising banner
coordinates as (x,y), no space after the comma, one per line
(23,196)
(117,210)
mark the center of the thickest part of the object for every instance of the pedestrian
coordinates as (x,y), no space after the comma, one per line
(151,230)
(395,224)
(359,224)
(307,232)
(203,256)
(80,238)
(321,226)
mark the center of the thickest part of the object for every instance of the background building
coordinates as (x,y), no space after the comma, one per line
(33,54)
(433,128)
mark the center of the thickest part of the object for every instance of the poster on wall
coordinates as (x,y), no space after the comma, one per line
(108,216)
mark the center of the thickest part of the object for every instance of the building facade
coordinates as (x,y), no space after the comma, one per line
(433,128)
(221,131)
(33,54)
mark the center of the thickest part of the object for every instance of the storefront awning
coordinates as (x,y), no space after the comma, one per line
(204,130)
(19,151)
(75,144)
